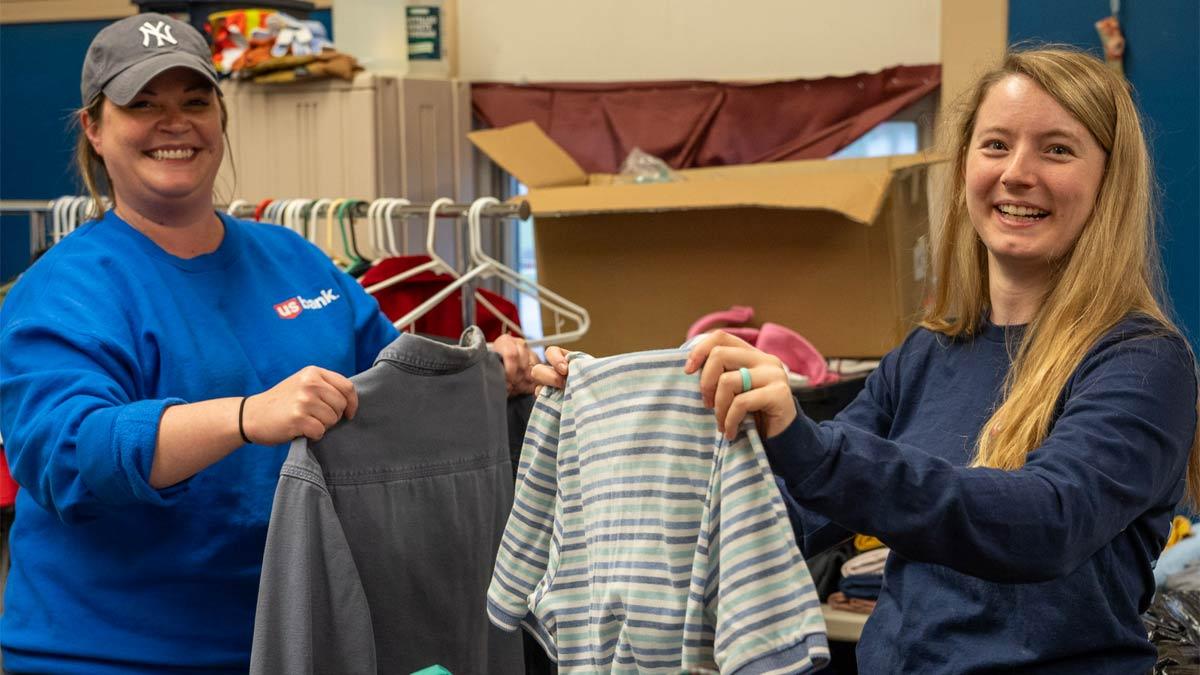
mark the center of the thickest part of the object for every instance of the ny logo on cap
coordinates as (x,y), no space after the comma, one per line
(161,31)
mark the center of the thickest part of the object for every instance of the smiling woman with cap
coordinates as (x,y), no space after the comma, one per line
(149,386)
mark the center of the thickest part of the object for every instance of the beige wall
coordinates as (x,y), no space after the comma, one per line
(545,40)
(39,11)
(974,36)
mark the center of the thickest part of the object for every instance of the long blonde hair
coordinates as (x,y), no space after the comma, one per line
(1112,271)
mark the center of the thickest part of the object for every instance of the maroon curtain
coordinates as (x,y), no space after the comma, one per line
(691,124)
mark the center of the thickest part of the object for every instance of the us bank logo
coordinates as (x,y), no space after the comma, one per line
(292,307)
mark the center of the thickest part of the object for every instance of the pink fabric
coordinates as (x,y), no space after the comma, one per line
(748,334)
(800,356)
(735,314)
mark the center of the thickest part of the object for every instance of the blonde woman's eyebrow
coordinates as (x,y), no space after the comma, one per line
(1001,131)
(1061,133)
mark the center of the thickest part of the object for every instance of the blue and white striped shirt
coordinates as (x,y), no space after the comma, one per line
(641,541)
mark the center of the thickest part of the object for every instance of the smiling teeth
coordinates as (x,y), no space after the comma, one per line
(172,154)
(1025,211)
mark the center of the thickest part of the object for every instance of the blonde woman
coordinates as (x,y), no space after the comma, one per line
(1023,450)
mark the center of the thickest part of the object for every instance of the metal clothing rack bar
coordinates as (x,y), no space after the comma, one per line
(38,210)
(25,205)
(519,210)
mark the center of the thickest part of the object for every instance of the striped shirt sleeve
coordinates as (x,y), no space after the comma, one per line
(523,557)
(752,603)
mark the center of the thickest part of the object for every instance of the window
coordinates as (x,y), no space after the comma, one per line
(887,138)
(526,264)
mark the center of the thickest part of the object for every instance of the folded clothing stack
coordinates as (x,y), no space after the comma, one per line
(862,579)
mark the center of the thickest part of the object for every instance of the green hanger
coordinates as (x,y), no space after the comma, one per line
(358,264)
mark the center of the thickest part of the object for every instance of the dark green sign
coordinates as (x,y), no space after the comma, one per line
(424,32)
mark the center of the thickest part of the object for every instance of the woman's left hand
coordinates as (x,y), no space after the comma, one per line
(720,357)
(518,360)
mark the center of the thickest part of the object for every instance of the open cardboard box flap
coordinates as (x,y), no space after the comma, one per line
(834,249)
(558,186)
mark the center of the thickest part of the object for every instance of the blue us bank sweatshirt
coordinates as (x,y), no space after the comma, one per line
(1045,569)
(96,340)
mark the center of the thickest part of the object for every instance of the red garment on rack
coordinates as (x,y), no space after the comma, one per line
(8,486)
(446,318)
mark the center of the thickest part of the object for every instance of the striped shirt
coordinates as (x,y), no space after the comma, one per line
(641,541)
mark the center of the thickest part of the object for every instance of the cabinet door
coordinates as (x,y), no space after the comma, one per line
(313,140)
(428,127)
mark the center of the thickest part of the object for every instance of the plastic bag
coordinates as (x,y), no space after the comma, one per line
(1173,626)
(641,167)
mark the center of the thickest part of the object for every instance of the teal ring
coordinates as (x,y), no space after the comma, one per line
(746,386)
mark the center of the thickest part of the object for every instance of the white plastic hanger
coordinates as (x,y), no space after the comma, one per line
(235,205)
(287,213)
(64,225)
(58,219)
(73,213)
(313,230)
(375,227)
(291,216)
(402,247)
(438,264)
(564,310)
(387,230)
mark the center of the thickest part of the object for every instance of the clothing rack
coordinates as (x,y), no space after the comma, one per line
(519,210)
(38,210)
(51,220)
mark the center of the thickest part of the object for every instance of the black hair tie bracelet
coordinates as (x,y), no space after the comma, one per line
(241,424)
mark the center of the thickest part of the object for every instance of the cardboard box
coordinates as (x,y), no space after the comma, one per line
(835,249)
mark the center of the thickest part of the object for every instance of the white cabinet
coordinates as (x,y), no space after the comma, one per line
(373,137)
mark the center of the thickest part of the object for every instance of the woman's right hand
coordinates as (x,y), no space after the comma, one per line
(306,404)
(552,373)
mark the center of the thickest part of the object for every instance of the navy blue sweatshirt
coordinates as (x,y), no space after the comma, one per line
(1045,569)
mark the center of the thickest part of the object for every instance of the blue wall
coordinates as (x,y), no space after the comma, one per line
(39,88)
(1162,62)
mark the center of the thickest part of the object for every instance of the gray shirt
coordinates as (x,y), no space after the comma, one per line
(383,534)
